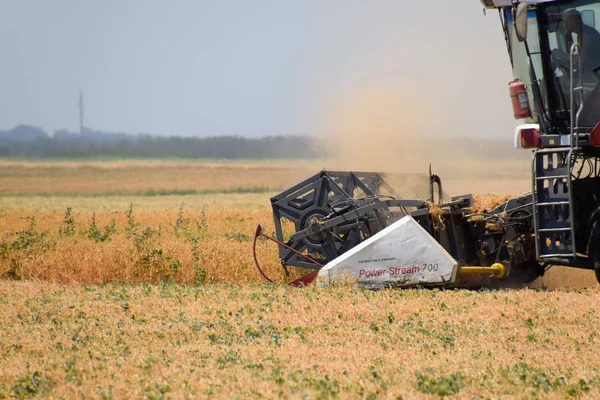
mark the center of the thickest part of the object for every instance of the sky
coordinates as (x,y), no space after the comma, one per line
(251,68)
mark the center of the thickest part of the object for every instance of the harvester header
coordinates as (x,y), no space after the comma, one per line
(353,225)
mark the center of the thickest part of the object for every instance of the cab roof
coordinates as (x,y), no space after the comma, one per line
(508,3)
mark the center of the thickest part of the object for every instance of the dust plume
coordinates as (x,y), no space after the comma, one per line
(396,129)
(565,277)
(381,129)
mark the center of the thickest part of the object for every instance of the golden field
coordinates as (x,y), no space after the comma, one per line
(218,203)
(146,288)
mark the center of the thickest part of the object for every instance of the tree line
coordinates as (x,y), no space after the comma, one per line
(26,141)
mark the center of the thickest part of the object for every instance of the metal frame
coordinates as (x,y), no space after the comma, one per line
(574,119)
(332,212)
(538,180)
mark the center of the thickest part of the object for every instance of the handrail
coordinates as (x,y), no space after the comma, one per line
(574,119)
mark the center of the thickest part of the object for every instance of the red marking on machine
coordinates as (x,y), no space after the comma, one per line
(302,281)
(371,273)
(404,270)
(520,101)
(410,270)
(530,138)
(595,136)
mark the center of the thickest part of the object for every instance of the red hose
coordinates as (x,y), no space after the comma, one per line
(258,233)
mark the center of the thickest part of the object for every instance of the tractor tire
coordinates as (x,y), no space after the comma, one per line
(523,274)
(594,243)
(527,272)
(519,276)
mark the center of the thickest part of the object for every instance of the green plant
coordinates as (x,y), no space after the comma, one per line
(31,386)
(141,240)
(30,238)
(28,243)
(441,385)
(159,265)
(132,226)
(203,223)
(4,249)
(68,228)
(94,233)
(238,237)
(14,272)
(181,223)
(199,272)
(186,227)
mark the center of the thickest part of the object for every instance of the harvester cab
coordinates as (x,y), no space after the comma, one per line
(352,225)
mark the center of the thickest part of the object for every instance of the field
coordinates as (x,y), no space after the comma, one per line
(135,279)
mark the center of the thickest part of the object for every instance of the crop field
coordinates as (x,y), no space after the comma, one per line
(124,279)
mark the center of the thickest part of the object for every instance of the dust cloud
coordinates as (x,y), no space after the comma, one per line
(380,129)
(396,130)
(565,277)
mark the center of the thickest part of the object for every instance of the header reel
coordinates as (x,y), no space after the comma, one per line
(331,212)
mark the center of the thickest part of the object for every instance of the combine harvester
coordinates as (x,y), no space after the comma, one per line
(350,225)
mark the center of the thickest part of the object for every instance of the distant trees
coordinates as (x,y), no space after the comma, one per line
(29,142)
(26,141)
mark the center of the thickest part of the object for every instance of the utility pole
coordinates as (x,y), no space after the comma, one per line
(81,113)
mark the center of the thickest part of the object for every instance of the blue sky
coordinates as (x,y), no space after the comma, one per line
(253,68)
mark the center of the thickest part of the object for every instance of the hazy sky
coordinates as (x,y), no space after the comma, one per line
(249,67)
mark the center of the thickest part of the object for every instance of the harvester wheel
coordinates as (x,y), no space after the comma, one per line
(531,270)
(524,273)
(519,275)
(594,243)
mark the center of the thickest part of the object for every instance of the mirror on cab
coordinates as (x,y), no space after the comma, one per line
(521,22)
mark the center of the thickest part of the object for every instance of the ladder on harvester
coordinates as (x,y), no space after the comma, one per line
(553,203)
(553,210)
